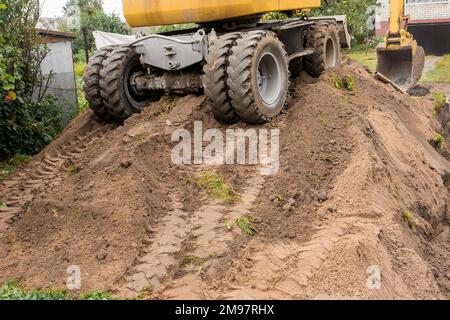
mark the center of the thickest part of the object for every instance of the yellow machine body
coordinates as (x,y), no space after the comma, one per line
(143,13)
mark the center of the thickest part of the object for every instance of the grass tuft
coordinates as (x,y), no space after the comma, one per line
(141,136)
(438,141)
(246,225)
(347,83)
(440,100)
(217,188)
(72,171)
(410,220)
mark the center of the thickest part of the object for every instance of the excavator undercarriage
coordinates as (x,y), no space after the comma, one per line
(242,64)
(244,73)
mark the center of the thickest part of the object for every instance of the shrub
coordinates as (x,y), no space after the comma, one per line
(29,118)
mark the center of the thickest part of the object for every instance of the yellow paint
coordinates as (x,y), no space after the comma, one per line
(142,13)
(396,28)
(397,11)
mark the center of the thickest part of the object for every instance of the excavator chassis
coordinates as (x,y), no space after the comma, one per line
(220,63)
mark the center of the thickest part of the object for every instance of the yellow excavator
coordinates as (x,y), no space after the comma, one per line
(241,63)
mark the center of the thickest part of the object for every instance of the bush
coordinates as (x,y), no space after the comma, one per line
(27,126)
(29,118)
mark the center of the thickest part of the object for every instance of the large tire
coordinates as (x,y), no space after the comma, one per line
(323,36)
(91,80)
(120,99)
(216,76)
(258,77)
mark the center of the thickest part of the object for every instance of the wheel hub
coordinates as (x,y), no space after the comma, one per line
(269,79)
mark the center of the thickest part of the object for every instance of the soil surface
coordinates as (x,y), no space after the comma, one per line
(360,188)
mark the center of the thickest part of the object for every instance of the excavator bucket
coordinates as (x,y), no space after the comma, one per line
(402,66)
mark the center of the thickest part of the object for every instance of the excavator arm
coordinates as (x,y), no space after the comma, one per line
(400,59)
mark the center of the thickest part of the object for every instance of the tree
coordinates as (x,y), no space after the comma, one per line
(358,12)
(92,18)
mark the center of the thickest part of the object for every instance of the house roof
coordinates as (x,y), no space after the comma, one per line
(55,36)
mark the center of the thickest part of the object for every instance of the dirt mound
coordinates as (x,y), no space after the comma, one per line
(360,188)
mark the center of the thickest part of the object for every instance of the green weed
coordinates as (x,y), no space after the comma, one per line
(217,188)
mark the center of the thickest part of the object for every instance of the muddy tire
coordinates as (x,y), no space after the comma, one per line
(216,76)
(324,38)
(120,98)
(91,80)
(258,77)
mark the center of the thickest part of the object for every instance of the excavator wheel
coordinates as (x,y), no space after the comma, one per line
(258,77)
(324,38)
(91,80)
(121,98)
(215,78)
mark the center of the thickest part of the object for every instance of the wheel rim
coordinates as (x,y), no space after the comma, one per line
(330,53)
(135,96)
(269,79)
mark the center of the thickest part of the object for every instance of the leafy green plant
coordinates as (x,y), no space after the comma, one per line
(29,116)
(11,290)
(346,82)
(437,141)
(217,187)
(246,225)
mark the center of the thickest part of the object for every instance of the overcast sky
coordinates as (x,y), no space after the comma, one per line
(53,8)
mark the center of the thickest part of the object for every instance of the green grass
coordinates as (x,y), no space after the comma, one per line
(246,225)
(368,59)
(440,72)
(217,188)
(12,290)
(10,166)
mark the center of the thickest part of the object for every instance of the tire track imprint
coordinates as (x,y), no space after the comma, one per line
(185,245)
(22,188)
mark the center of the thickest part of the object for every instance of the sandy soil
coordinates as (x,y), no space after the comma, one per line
(108,199)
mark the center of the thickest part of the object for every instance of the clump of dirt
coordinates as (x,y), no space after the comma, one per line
(359,189)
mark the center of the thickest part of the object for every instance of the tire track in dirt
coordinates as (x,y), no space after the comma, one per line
(22,188)
(278,270)
(185,246)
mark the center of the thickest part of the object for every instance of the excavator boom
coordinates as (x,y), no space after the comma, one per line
(400,59)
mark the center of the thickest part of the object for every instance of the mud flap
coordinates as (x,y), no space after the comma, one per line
(402,66)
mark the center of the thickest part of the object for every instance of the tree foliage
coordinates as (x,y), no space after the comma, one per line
(359,13)
(29,118)
(92,18)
